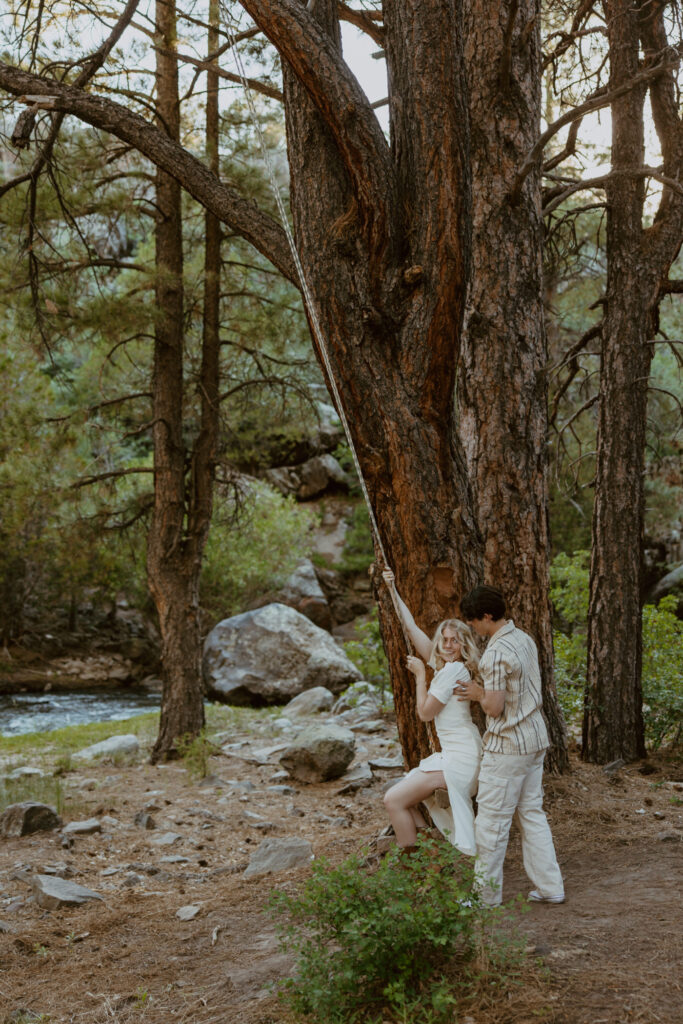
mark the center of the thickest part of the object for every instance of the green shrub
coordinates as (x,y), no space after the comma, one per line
(253,549)
(195,752)
(401,941)
(662,672)
(368,655)
(358,550)
(42,789)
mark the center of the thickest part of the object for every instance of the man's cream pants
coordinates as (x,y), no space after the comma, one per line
(511,784)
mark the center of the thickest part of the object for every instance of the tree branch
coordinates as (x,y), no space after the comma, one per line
(363,20)
(320,67)
(208,65)
(640,172)
(243,216)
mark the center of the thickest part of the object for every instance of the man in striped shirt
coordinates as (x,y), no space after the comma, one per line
(515,742)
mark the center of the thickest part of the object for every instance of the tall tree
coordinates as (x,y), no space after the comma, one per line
(502,390)
(639,259)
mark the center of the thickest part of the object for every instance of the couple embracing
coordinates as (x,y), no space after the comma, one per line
(504,770)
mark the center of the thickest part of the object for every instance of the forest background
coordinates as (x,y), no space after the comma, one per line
(87,270)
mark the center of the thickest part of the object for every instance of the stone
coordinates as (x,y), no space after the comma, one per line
(359,777)
(303,592)
(385,763)
(317,474)
(188,913)
(274,855)
(319,753)
(28,817)
(51,893)
(82,828)
(310,702)
(369,725)
(167,839)
(614,766)
(669,837)
(145,820)
(284,790)
(131,880)
(175,859)
(26,772)
(271,654)
(114,745)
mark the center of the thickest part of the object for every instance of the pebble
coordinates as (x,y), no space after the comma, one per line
(82,828)
(167,839)
(188,913)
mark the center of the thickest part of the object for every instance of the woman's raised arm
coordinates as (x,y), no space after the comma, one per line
(423,645)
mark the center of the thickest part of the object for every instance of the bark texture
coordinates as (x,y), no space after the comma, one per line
(173,557)
(638,264)
(385,245)
(502,393)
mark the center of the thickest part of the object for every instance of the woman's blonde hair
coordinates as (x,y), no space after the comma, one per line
(470,652)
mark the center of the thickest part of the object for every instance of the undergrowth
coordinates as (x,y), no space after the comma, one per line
(409,942)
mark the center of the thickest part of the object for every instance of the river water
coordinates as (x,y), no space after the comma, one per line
(42,712)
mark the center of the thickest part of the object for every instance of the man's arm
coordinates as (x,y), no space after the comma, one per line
(492,701)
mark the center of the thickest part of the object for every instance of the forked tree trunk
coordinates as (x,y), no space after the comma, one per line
(172,571)
(638,264)
(390,298)
(502,391)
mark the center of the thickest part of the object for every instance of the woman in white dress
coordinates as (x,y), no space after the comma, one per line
(454,655)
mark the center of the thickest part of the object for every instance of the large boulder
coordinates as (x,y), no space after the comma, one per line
(319,753)
(51,893)
(25,818)
(269,655)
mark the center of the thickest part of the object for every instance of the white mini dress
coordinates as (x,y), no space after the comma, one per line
(458,759)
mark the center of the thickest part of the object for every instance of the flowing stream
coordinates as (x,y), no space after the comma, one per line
(42,712)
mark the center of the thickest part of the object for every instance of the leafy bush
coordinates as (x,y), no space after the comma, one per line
(195,752)
(662,672)
(358,550)
(368,655)
(253,552)
(401,941)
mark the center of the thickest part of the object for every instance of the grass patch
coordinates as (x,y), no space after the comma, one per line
(43,790)
(62,742)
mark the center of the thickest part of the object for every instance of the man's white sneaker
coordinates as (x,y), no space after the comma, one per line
(535,897)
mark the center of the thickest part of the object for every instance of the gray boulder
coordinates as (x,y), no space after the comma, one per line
(303,592)
(357,778)
(82,828)
(271,654)
(319,753)
(278,855)
(310,702)
(51,893)
(25,818)
(107,748)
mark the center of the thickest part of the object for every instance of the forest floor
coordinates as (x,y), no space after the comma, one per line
(610,955)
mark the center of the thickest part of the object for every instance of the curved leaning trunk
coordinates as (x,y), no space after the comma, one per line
(502,391)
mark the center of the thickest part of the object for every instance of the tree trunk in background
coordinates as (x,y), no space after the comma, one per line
(172,575)
(638,263)
(502,392)
(390,299)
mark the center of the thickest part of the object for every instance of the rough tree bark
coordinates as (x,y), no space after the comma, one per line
(502,392)
(638,265)
(175,538)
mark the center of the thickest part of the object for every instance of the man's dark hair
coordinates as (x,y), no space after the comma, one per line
(482,601)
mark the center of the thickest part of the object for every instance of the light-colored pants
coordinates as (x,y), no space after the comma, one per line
(509,784)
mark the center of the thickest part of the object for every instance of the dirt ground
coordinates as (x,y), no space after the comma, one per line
(610,955)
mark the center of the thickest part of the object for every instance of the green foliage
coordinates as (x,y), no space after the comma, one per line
(402,940)
(195,752)
(662,671)
(358,550)
(253,552)
(45,790)
(368,655)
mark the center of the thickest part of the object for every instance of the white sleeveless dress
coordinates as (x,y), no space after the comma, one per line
(459,759)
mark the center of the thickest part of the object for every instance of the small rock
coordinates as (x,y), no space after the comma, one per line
(669,837)
(310,702)
(22,773)
(175,859)
(319,753)
(5,927)
(145,820)
(659,815)
(276,776)
(613,766)
(296,812)
(51,893)
(167,839)
(109,821)
(25,818)
(371,725)
(188,913)
(131,880)
(285,790)
(107,748)
(108,872)
(359,777)
(82,828)
(275,855)
(386,763)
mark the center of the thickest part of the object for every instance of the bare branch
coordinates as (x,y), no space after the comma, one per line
(590,183)
(364,20)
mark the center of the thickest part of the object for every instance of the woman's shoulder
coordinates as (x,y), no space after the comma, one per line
(453,671)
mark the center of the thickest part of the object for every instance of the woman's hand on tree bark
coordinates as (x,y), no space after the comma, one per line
(388,577)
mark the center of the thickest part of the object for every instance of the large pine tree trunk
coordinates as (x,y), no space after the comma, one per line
(390,298)
(172,570)
(502,392)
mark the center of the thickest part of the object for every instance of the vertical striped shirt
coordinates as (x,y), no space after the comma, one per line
(510,663)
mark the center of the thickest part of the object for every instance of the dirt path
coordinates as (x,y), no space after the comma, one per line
(611,954)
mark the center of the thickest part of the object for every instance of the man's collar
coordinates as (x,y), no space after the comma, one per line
(503,631)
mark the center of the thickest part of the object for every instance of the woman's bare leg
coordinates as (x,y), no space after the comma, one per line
(403,798)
